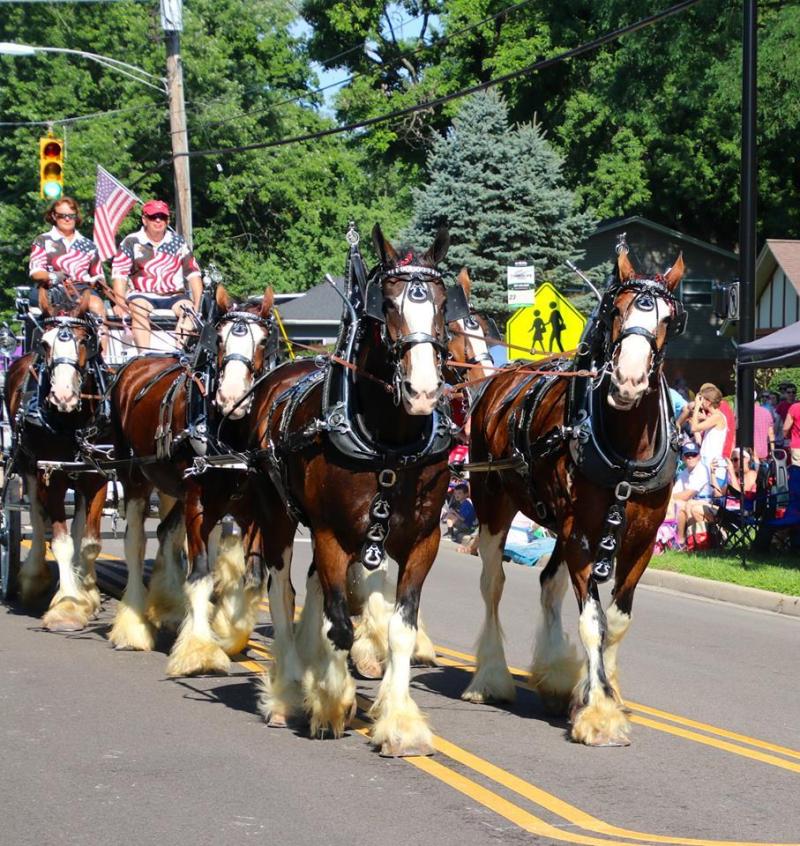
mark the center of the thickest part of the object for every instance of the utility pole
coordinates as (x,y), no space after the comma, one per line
(172,24)
(747,228)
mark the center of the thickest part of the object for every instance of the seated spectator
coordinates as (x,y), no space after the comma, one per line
(691,495)
(460,517)
(732,489)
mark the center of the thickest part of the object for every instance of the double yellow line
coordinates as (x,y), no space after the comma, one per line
(573,817)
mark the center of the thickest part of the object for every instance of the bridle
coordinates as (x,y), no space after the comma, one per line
(65,327)
(243,323)
(646,294)
(417,288)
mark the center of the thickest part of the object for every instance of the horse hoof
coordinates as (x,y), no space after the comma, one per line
(369,668)
(64,617)
(277,721)
(399,750)
(64,625)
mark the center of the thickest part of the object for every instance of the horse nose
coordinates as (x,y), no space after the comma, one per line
(414,394)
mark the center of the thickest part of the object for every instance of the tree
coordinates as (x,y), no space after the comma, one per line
(500,190)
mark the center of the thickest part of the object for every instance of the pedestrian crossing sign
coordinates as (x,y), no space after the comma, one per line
(550,326)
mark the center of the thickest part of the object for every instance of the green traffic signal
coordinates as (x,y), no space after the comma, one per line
(51,168)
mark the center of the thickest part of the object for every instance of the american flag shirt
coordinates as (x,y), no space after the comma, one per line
(154,268)
(79,260)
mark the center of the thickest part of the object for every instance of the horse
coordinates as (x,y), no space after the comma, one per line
(370,595)
(67,387)
(591,457)
(149,404)
(359,453)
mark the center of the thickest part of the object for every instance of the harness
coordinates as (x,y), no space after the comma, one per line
(341,420)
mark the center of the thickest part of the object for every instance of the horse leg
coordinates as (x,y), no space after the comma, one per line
(492,681)
(556,665)
(324,638)
(281,695)
(34,575)
(400,729)
(166,602)
(94,495)
(631,563)
(196,650)
(596,716)
(371,634)
(131,628)
(71,606)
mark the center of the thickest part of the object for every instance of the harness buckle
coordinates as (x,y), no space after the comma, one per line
(376,533)
(387,478)
(623,491)
(381,510)
(608,543)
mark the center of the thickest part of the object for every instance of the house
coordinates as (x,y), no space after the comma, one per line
(777,291)
(700,354)
(314,316)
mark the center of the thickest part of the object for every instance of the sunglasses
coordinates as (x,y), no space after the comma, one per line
(157,216)
(71,216)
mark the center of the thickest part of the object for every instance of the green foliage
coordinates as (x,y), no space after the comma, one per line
(274,216)
(500,191)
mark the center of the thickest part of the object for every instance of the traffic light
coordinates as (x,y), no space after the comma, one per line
(51,168)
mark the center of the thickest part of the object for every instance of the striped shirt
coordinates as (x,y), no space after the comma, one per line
(78,260)
(152,268)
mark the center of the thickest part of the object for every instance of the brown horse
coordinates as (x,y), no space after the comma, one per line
(370,594)
(361,456)
(593,459)
(67,401)
(150,421)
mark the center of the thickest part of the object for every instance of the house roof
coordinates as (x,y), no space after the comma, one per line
(778,252)
(619,223)
(320,304)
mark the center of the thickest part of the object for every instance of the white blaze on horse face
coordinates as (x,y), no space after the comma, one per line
(480,348)
(65,379)
(236,378)
(421,382)
(630,375)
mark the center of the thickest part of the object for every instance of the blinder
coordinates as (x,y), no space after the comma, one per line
(456,305)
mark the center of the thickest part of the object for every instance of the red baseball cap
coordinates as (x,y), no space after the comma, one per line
(155,207)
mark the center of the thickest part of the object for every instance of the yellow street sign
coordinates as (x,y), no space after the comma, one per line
(550,326)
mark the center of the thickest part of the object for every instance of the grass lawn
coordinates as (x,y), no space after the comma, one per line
(778,571)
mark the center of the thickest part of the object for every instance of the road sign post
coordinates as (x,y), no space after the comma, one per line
(548,326)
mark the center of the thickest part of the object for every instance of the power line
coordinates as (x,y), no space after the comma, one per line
(67,120)
(541,64)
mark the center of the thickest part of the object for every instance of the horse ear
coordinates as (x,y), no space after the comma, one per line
(441,245)
(464,281)
(267,302)
(384,249)
(625,268)
(224,301)
(674,275)
(83,305)
(44,302)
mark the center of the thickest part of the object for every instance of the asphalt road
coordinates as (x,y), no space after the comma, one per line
(98,747)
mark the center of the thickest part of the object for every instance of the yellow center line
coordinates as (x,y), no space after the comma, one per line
(674,718)
(515,814)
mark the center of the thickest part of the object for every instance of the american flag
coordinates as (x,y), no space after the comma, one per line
(112,202)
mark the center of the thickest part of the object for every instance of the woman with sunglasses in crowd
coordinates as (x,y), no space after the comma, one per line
(64,261)
(151,270)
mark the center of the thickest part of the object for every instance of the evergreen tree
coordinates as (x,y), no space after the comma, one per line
(500,190)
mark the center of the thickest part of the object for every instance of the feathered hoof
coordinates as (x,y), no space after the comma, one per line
(192,656)
(485,687)
(131,631)
(424,651)
(278,703)
(555,682)
(67,615)
(233,628)
(94,600)
(330,714)
(367,666)
(165,610)
(402,736)
(600,723)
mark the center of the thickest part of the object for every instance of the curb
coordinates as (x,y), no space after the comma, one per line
(764,600)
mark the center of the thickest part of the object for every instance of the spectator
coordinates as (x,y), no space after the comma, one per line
(691,495)
(460,517)
(678,403)
(708,423)
(769,400)
(788,397)
(732,495)
(763,432)
(791,431)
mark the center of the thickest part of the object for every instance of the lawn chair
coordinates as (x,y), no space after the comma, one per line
(781,528)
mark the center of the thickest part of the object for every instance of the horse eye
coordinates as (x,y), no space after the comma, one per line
(471,323)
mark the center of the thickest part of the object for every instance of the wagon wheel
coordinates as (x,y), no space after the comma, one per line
(10,539)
